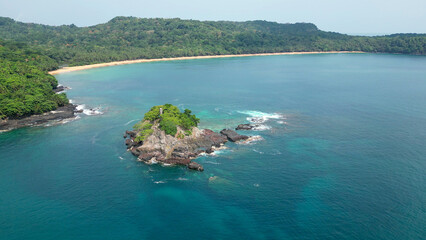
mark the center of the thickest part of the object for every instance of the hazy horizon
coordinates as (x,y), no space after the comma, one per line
(353,17)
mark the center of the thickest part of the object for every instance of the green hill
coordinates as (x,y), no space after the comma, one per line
(25,86)
(29,50)
(125,38)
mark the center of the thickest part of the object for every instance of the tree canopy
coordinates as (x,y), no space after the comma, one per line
(25,86)
(29,50)
(168,118)
(127,38)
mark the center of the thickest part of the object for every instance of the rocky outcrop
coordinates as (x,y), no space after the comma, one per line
(60,113)
(247,126)
(233,136)
(59,88)
(195,166)
(166,149)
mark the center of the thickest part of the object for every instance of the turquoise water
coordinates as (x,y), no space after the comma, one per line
(344,157)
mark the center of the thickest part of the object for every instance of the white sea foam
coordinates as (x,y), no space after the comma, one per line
(251,140)
(121,158)
(130,122)
(260,117)
(222,147)
(275,152)
(254,150)
(182,179)
(210,162)
(157,182)
(69,120)
(261,127)
(213,154)
(152,161)
(63,121)
(89,111)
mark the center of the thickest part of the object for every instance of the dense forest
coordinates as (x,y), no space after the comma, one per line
(125,38)
(25,86)
(29,50)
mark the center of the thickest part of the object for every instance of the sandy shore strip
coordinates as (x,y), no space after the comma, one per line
(98,65)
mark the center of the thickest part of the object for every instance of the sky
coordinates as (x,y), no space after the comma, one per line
(344,16)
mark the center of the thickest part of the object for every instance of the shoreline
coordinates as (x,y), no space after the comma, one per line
(61,113)
(116,63)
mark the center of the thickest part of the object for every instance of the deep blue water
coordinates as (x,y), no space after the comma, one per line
(346,159)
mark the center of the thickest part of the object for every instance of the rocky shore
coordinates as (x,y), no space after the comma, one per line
(60,88)
(166,149)
(60,113)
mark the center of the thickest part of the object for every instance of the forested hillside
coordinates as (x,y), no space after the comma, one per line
(29,50)
(125,38)
(25,86)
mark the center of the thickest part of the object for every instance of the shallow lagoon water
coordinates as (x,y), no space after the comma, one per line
(343,154)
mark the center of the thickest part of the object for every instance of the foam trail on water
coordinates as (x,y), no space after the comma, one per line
(210,162)
(130,122)
(254,150)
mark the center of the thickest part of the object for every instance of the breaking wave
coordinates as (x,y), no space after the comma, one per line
(259,118)
(89,111)
(251,140)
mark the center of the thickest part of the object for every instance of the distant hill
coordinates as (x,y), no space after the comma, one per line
(29,50)
(126,38)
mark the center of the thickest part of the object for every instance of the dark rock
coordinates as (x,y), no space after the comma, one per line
(60,113)
(131,134)
(246,126)
(135,151)
(180,161)
(195,166)
(168,149)
(59,89)
(199,152)
(214,138)
(146,156)
(130,143)
(125,135)
(233,136)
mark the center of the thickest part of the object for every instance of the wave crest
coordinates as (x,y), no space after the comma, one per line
(89,111)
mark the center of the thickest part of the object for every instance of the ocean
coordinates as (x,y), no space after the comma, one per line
(341,153)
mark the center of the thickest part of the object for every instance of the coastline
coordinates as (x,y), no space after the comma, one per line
(61,113)
(99,65)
